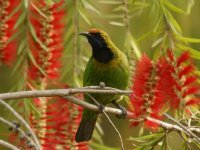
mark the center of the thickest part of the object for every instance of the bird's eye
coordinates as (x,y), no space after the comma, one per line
(95,34)
(99,37)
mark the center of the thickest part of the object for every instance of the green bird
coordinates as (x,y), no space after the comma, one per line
(107,64)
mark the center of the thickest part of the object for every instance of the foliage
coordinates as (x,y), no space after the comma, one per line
(40,49)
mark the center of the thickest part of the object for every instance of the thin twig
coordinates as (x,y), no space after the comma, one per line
(10,124)
(183,127)
(8,145)
(120,137)
(186,141)
(23,122)
(196,129)
(166,125)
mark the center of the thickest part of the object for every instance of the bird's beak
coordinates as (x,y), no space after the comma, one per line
(87,34)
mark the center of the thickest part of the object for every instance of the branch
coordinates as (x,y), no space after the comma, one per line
(62,92)
(8,145)
(183,127)
(10,124)
(91,89)
(26,125)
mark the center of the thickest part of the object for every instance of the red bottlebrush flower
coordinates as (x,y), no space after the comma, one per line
(191,90)
(47,48)
(170,81)
(146,99)
(141,76)
(180,80)
(186,70)
(170,55)
(61,121)
(15,139)
(7,47)
(189,80)
(183,58)
(193,101)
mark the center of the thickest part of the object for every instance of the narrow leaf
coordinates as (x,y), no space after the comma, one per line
(116,2)
(89,6)
(85,18)
(173,7)
(115,23)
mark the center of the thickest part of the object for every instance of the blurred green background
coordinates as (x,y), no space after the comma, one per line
(109,16)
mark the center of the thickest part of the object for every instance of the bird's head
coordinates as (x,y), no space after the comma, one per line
(101,45)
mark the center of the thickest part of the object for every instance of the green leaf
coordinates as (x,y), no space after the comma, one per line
(115,23)
(146,137)
(118,8)
(134,46)
(69,33)
(36,38)
(115,2)
(158,41)
(89,6)
(149,141)
(190,40)
(17,65)
(31,106)
(190,4)
(144,36)
(35,63)
(173,23)
(21,46)
(158,24)
(85,18)
(39,11)
(14,36)
(173,7)
(20,20)
(194,53)
(112,16)
(14,11)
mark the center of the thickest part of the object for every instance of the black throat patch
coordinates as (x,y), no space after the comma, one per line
(100,50)
(103,55)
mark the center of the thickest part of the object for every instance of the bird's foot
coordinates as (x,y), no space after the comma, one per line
(124,111)
(101,108)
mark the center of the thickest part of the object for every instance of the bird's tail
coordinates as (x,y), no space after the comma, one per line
(86,127)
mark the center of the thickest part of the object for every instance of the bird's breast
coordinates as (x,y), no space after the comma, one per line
(114,75)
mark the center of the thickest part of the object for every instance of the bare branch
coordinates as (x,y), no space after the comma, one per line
(8,145)
(62,92)
(26,125)
(195,137)
(10,124)
(91,89)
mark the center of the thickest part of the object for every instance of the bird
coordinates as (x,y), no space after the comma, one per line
(107,65)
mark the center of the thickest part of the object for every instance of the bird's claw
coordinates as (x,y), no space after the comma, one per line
(101,108)
(123,114)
